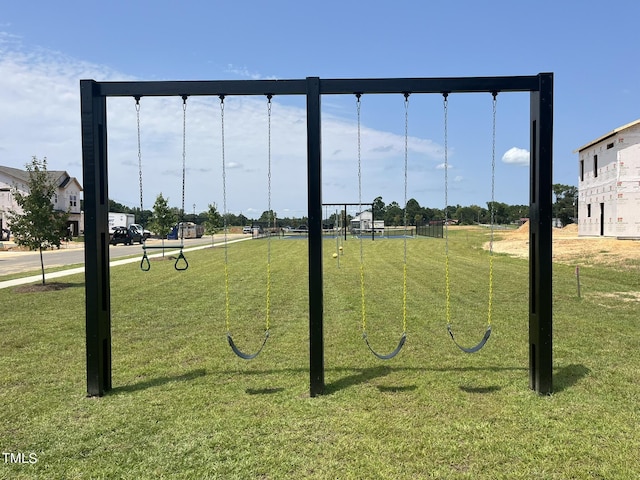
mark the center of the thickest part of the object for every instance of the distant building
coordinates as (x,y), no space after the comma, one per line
(66,198)
(364,222)
(609,184)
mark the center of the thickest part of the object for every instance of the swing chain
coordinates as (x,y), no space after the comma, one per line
(270,214)
(362,279)
(224,178)
(139,153)
(184,162)
(447,282)
(406,169)
(224,219)
(493,170)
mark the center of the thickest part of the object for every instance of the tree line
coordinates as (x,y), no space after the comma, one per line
(564,209)
(39,226)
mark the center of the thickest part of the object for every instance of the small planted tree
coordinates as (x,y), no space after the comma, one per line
(213,220)
(39,226)
(163,218)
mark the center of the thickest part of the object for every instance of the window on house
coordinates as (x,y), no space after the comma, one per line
(609,145)
(72,201)
(588,210)
(582,170)
(595,165)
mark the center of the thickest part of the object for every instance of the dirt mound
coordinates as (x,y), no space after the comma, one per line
(571,249)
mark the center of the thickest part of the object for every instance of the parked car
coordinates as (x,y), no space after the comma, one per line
(126,235)
(247,229)
(138,227)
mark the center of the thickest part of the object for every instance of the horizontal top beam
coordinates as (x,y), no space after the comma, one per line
(327,86)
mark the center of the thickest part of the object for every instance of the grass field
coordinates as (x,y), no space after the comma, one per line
(183,406)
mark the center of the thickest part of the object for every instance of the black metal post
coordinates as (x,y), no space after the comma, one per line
(540,239)
(314,192)
(373,225)
(96,247)
(344,221)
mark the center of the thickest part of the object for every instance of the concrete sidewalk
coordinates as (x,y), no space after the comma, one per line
(72,271)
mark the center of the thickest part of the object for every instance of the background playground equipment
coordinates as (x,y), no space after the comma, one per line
(94,143)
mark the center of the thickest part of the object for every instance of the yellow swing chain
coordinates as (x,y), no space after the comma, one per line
(404,267)
(492,213)
(406,165)
(446,211)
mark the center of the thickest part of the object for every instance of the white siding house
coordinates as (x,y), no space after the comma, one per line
(364,222)
(609,184)
(66,198)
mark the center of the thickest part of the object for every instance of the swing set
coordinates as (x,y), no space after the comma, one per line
(97,279)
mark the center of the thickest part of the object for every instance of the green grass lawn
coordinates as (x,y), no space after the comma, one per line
(184,406)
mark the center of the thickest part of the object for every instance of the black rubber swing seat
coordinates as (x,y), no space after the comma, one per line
(388,356)
(240,353)
(487,334)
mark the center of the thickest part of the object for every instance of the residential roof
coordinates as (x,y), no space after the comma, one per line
(608,135)
(60,177)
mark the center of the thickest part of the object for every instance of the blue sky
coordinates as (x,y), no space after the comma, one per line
(47,47)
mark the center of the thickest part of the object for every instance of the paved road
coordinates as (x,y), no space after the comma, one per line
(73,254)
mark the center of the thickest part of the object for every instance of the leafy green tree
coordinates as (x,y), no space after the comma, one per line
(213,220)
(414,212)
(500,213)
(378,208)
(393,214)
(566,202)
(163,218)
(432,214)
(451,211)
(119,207)
(143,218)
(516,212)
(39,226)
(268,217)
(467,215)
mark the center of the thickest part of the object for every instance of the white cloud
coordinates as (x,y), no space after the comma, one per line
(516,156)
(245,72)
(441,166)
(40,98)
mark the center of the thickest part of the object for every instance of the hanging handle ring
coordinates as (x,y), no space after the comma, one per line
(181,266)
(145,265)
